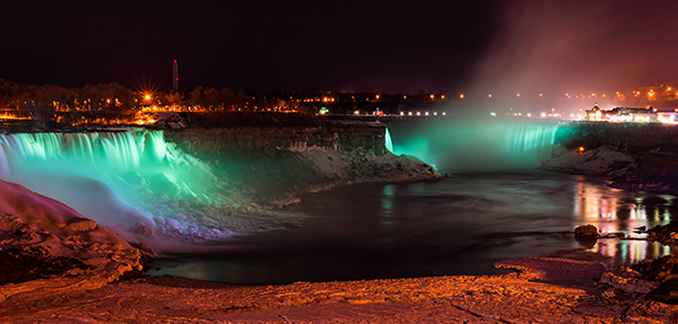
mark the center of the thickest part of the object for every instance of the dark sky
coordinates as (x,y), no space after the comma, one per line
(388,46)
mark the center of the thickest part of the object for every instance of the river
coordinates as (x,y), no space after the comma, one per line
(460,225)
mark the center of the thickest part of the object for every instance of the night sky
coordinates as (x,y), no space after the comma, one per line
(383,46)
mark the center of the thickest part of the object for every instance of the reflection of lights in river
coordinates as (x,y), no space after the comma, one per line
(612,211)
(387,197)
(630,251)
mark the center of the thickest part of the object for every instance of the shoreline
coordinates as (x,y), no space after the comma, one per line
(546,290)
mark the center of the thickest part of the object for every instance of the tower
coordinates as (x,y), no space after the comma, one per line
(175,76)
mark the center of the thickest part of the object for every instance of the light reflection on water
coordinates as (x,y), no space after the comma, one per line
(461,225)
(615,210)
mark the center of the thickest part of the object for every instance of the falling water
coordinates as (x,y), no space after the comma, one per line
(123,180)
(472,146)
(388,141)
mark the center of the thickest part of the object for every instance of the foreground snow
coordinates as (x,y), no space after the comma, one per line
(510,298)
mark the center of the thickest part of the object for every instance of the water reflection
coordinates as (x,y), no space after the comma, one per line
(620,211)
(388,194)
(461,225)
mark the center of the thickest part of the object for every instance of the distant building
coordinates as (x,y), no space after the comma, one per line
(622,114)
(595,113)
(175,76)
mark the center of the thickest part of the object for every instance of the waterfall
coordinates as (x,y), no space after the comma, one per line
(388,142)
(121,180)
(472,145)
(533,140)
(118,151)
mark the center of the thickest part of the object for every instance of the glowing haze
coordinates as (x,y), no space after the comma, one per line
(587,48)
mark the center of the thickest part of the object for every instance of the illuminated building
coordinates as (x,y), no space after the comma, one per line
(625,114)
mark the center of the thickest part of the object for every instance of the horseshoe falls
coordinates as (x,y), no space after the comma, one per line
(473,146)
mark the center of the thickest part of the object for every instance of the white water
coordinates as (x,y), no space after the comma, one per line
(388,142)
(122,180)
(467,146)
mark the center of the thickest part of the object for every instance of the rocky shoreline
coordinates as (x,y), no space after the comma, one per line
(552,290)
(48,249)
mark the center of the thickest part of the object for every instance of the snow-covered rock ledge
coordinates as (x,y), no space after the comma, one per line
(48,247)
(274,166)
(639,156)
(600,161)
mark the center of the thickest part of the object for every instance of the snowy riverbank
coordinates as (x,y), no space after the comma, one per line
(633,156)
(510,298)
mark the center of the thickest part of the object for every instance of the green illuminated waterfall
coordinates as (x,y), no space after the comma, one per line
(475,146)
(122,180)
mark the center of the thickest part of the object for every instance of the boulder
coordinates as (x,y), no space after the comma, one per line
(586,231)
(83,225)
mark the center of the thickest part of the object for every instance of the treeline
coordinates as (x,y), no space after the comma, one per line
(45,104)
(112,103)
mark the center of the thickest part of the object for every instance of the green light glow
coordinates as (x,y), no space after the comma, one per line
(121,179)
(463,146)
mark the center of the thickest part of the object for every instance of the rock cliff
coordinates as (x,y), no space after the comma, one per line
(633,155)
(273,165)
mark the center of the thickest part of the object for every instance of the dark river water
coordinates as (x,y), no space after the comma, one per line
(460,225)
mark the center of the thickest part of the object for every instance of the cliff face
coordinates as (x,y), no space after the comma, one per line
(273,165)
(633,155)
(633,138)
(342,137)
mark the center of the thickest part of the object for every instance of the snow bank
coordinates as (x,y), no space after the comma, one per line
(599,161)
(49,240)
(507,298)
